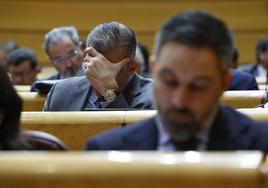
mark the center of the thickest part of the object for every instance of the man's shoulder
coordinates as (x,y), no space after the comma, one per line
(247,68)
(243,81)
(73,81)
(238,120)
(117,138)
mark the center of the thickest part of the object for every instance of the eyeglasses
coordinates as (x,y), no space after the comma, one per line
(72,55)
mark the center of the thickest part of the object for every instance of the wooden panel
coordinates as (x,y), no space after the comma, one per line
(73,128)
(243,99)
(246,43)
(42,15)
(27,21)
(22,88)
(32,101)
(131,169)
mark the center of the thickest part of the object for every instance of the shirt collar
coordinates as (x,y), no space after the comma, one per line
(261,70)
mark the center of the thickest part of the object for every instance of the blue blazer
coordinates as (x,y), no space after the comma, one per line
(231,130)
(243,81)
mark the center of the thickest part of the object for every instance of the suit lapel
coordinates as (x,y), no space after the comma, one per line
(133,88)
(79,94)
(218,137)
(229,131)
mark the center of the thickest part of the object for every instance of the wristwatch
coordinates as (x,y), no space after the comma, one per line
(110,95)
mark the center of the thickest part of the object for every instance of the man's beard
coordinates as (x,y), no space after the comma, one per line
(180,130)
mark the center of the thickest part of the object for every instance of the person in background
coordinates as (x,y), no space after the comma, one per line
(192,58)
(261,67)
(23,66)
(111,80)
(241,80)
(235,58)
(141,58)
(5,49)
(11,137)
(64,49)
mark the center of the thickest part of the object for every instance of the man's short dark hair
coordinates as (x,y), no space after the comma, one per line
(262,46)
(22,54)
(198,29)
(107,36)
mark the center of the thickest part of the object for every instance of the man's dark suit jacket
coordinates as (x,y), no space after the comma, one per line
(231,130)
(249,68)
(243,81)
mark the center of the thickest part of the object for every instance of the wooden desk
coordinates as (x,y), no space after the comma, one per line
(22,88)
(130,169)
(73,128)
(243,99)
(32,101)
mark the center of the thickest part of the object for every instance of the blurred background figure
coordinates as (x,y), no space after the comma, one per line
(142,58)
(235,57)
(11,138)
(64,49)
(22,66)
(261,67)
(5,49)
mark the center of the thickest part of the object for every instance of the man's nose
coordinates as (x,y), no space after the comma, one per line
(68,63)
(181,97)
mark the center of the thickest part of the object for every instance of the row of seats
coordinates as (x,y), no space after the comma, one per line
(134,169)
(74,128)
(237,99)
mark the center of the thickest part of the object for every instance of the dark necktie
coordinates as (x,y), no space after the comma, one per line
(190,144)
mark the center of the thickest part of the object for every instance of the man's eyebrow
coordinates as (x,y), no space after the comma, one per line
(166,71)
(202,79)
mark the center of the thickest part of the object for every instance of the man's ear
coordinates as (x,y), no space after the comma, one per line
(227,80)
(152,60)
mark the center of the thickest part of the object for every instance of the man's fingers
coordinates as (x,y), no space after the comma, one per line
(91,51)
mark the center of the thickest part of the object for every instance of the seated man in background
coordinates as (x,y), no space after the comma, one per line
(261,67)
(64,49)
(111,80)
(192,59)
(6,48)
(22,66)
(141,58)
(241,80)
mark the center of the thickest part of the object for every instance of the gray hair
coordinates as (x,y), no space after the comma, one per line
(58,33)
(108,36)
